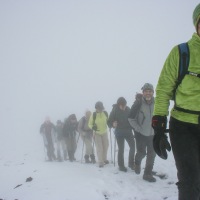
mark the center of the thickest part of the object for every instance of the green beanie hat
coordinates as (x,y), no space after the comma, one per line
(196,15)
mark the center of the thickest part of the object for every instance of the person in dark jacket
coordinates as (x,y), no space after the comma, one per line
(47,130)
(61,146)
(140,119)
(69,133)
(118,119)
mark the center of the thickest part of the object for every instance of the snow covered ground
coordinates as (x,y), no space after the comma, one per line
(74,181)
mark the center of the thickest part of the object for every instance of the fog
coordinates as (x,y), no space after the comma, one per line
(60,57)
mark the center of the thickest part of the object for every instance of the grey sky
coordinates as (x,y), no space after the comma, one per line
(60,57)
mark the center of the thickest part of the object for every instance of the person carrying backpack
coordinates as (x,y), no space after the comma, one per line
(184,124)
(98,123)
(61,146)
(140,119)
(47,130)
(118,119)
(69,134)
(87,135)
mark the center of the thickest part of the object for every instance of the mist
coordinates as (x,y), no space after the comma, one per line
(60,57)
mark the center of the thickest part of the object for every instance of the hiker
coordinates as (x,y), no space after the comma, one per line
(140,119)
(87,135)
(69,134)
(98,123)
(61,146)
(47,130)
(184,124)
(118,119)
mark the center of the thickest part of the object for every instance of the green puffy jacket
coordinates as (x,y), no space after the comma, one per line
(188,92)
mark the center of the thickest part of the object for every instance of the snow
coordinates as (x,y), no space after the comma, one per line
(76,180)
(60,57)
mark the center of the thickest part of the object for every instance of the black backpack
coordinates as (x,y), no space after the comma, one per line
(136,106)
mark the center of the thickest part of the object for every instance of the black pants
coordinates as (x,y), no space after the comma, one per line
(50,147)
(144,145)
(131,142)
(185,142)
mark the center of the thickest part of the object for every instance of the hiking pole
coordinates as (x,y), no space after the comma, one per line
(111,146)
(82,149)
(93,141)
(114,149)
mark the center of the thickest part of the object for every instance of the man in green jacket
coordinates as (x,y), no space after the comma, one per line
(184,127)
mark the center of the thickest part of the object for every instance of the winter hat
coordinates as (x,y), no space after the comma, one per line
(121,101)
(147,86)
(59,121)
(196,15)
(99,105)
(72,116)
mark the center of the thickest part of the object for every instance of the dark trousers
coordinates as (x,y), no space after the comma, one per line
(144,146)
(50,147)
(185,142)
(50,151)
(71,147)
(131,142)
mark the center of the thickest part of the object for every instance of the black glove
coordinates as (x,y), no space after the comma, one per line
(160,142)
(94,128)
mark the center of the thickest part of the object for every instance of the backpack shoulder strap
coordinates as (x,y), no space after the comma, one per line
(105,112)
(184,57)
(183,60)
(94,117)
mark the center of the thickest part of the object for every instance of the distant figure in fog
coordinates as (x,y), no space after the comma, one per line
(87,135)
(47,130)
(61,146)
(69,133)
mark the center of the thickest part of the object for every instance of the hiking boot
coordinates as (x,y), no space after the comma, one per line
(59,159)
(137,169)
(65,155)
(87,159)
(93,158)
(106,162)
(132,166)
(149,178)
(49,159)
(123,169)
(54,157)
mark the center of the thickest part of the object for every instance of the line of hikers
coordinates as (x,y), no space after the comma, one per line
(92,128)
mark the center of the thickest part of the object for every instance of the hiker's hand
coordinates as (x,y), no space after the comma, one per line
(160,142)
(94,128)
(114,124)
